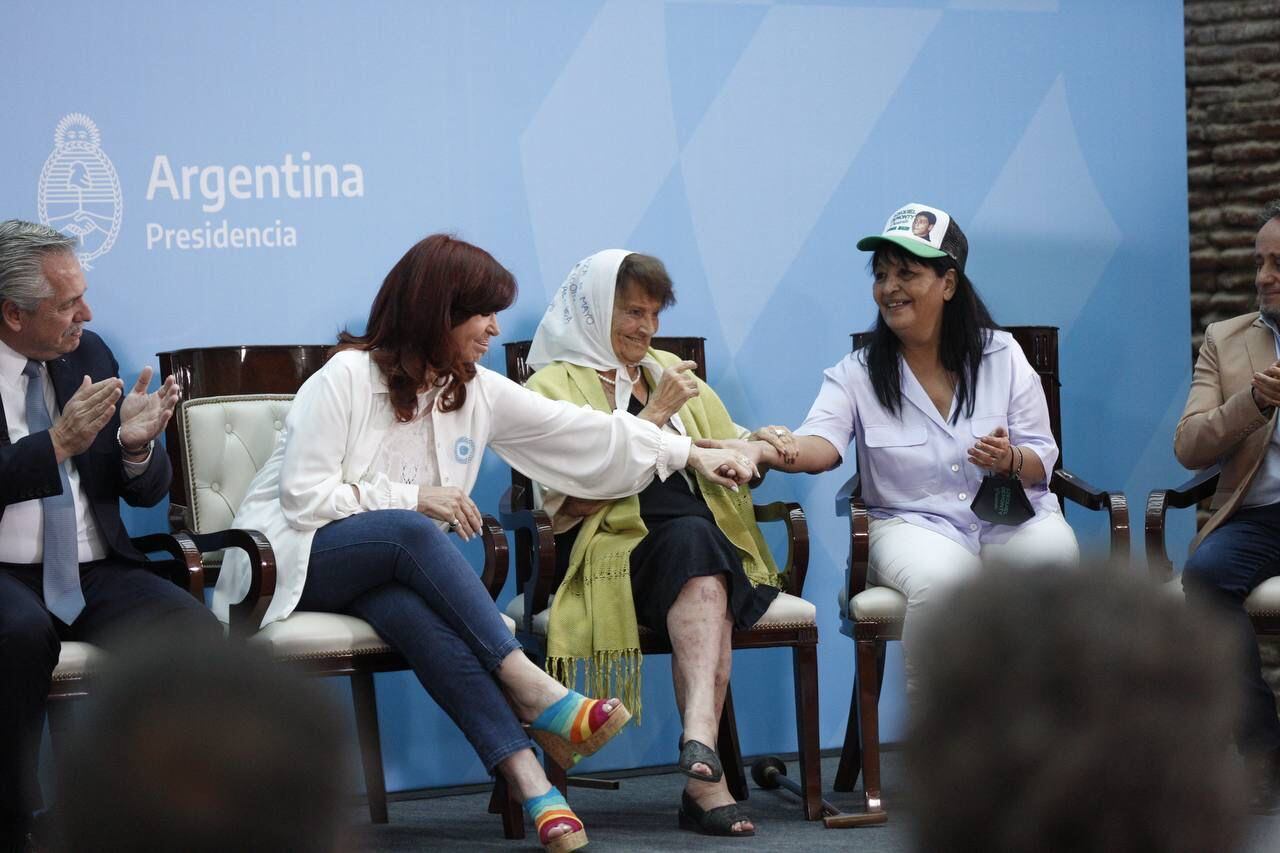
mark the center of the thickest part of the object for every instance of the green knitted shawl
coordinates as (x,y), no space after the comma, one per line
(593,617)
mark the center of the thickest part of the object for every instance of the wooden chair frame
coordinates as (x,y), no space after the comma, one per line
(187,572)
(861,755)
(536,577)
(219,371)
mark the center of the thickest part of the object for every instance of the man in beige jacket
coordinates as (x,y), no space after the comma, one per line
(1230,421)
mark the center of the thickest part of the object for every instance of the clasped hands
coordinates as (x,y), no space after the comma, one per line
(142,416)
(726,463)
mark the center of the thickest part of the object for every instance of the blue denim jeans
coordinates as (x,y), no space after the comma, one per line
(1227,566)
(397,571)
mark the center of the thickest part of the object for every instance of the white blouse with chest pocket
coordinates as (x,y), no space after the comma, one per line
(915,464)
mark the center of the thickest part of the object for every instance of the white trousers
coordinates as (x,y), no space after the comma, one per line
(923,564)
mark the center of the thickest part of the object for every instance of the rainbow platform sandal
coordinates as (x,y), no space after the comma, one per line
(575,727)
(549,811)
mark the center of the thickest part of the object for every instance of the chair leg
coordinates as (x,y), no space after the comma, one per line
(851,753)
(503,802)
(556,774)
(870,675)
(366,708)
(730,751)
(60,716)
(804,665)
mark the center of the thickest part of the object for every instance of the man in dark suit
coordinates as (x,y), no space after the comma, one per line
(71,445)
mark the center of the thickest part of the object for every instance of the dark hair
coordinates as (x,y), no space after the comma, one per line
(438,284)
(650,275)
(966,330)
(1073,711)
(1270,211)
(198,744)
(933,220)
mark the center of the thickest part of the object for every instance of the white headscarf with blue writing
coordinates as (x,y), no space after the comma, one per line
(577,325)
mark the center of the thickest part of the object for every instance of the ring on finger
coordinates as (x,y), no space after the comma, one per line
(453,525)
(779,433)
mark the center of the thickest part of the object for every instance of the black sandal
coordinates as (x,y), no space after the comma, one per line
(717,821)
(696,752)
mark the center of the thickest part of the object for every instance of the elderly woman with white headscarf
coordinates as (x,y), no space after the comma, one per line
(683,557)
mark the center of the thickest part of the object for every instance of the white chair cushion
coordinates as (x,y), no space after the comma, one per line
(76,659)
(786,611)
(882,604)
(1265,598)
(789,611)
(878,604)
(225,441)
(515,611)
(310,634)
(307,634)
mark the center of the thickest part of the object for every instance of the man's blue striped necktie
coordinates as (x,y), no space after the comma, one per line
(62,594)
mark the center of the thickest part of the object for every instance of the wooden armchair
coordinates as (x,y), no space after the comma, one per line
(1262,605)
(790,622)
(875,614)
(78,662)
(221,435)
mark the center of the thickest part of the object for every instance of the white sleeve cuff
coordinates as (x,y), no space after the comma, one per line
(673,454)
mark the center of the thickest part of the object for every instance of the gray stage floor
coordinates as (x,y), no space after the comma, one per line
(642,817)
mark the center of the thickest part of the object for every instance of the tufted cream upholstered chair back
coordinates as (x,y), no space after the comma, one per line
(225,440)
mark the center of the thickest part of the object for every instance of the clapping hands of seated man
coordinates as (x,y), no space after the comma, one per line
(1266,388)
(142,415)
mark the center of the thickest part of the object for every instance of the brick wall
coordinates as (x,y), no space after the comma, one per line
(1233,147)
(1233,165)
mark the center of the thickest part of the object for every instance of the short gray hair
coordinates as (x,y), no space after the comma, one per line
(23,248)
(1270,211)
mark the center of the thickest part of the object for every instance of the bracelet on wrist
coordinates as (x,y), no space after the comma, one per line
(129,451)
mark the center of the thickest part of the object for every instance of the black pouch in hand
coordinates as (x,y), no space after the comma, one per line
(1002,500)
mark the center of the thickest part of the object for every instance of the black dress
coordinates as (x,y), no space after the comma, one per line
(683,542)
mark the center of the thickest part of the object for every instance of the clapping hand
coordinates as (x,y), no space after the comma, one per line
(992,451)
(1266,387)
(84,416)
(143,416)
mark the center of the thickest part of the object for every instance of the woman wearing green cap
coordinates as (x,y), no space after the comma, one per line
(938,399)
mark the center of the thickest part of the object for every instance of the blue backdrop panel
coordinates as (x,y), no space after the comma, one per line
(245,173)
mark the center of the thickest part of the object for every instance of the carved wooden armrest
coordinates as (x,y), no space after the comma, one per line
(247,614)
(535,550)
(1076,490)
(496,557)
(797,541)
(189,573)
(849,504)
(1199,487)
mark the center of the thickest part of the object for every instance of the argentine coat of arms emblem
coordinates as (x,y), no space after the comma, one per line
(79,191)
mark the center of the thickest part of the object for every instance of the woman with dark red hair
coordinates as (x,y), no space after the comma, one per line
(379,452)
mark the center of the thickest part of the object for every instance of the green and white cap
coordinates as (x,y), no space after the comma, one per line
(924,231)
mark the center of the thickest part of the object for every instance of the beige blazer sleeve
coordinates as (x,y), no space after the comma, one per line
(1220,412)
